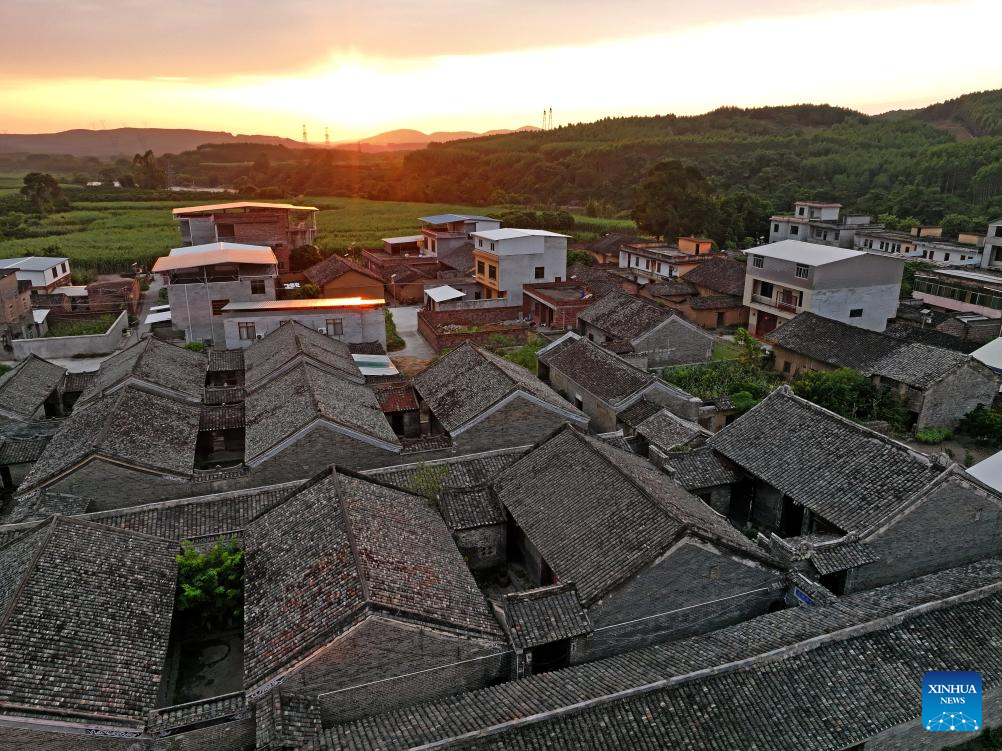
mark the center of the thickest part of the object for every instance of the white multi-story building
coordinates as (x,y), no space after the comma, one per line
(920,243)
(820,223)
(44,273)
(790,277)
(654,262)
(505,259)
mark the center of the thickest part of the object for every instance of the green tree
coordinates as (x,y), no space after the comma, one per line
(43,192)
(750,350)
(303,257)
(308,292)
(147,171)
(954,224)
(210,585)
(851,394)
(673,200)
(580,256)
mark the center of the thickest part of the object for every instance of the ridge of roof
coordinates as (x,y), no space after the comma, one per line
(363,581)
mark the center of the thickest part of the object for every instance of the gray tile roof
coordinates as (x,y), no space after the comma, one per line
(86,614)
(469,508)
(225,395)
(192,714)
(305,393)
(624,317)
(670,288)
(869,352)
(636,700)
(469,381)
(930,336)
(828,559)
(611,242)
(77,383)
(334,267)
(600,279)
(428,478)
(378,549)
(598,515)
(226,359)
(666,430)
(221,417)
(27,385)
(544,615)
(41,504)
(843,472)
(603,374)
(153,362)
(137,427)
(700,468)
(292,340)
(638,412)
(459,258)
(715,302)
(20,451)
(722,275)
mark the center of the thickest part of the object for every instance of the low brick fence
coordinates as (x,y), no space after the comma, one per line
(480,326)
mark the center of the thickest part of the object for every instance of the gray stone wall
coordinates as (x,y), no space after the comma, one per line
(484,548)
(518,423)
(675,342)
(767,508)
(692,574)
(956,523)
(381,648)
(946,402)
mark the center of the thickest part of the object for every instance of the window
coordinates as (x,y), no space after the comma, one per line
(492,247)
(794,230)
(856,313)
(480,242)
(492,272)
(540,272)
(998,231)
(758,262)
(786,366)
(800,211)
(335,327)
(480,268)
(218,305)
(775,227)
(802,270)
(257,287)
(246,330)
(946,256)
(225,232)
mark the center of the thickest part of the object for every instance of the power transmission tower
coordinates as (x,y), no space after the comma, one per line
(327,138)
(551,119)
(304,134)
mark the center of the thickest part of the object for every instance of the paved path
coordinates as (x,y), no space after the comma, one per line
(406,320)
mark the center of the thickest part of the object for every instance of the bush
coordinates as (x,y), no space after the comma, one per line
(210,589)
(851,394)
(82,326)
(982,425)
(743,401)
(934,435)
(580,256)
(394,342)
(195,346)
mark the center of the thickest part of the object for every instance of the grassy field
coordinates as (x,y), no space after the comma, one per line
(108,236)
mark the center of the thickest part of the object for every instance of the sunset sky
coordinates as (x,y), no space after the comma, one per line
(250,66)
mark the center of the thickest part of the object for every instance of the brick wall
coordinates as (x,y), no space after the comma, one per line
(484,548)
(694,573)
(317,450)
(487,320)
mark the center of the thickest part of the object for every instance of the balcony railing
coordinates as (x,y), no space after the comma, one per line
(784,305)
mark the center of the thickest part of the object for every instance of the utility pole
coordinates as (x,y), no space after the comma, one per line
(304,134)
(327,137)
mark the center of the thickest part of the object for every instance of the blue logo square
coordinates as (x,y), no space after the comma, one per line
(951,700)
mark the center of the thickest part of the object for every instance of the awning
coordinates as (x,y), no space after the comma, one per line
(157,317)
(441,294)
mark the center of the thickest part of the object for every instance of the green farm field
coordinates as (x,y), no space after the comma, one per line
(109,236)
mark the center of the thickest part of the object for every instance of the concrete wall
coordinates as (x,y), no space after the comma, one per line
(519,423)
(878,303)
(191,305)
(692,573)
(359,324)
(50,347)
(956,523)
(380,648)
(490,323)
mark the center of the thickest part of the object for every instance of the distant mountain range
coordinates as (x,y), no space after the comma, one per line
(128,141)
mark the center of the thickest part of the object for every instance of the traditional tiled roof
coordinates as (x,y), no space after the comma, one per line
(670,288)
(600,279)
(24,389)
(86,613)
(469,508)
(292,340)
(666,430)
(469,381)
(732,688)
(226,359)
(700,468)
(845,473)
(20,451)
(151,363)
(41,504)
(828,559)
(544,615)
(136,427)
(722,275)
(222,417)
(334,267)
(397,396)
(429,478)
(640,410)
(598,515)
(715,302)
(869,352)
(623,316)
(602,373)
(224,395)
(303,394)
(930,336)
(366,348)
(196,713)
(377,550)
(77,383)
(611,241)
(459,258)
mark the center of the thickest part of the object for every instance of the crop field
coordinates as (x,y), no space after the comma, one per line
(109,236)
